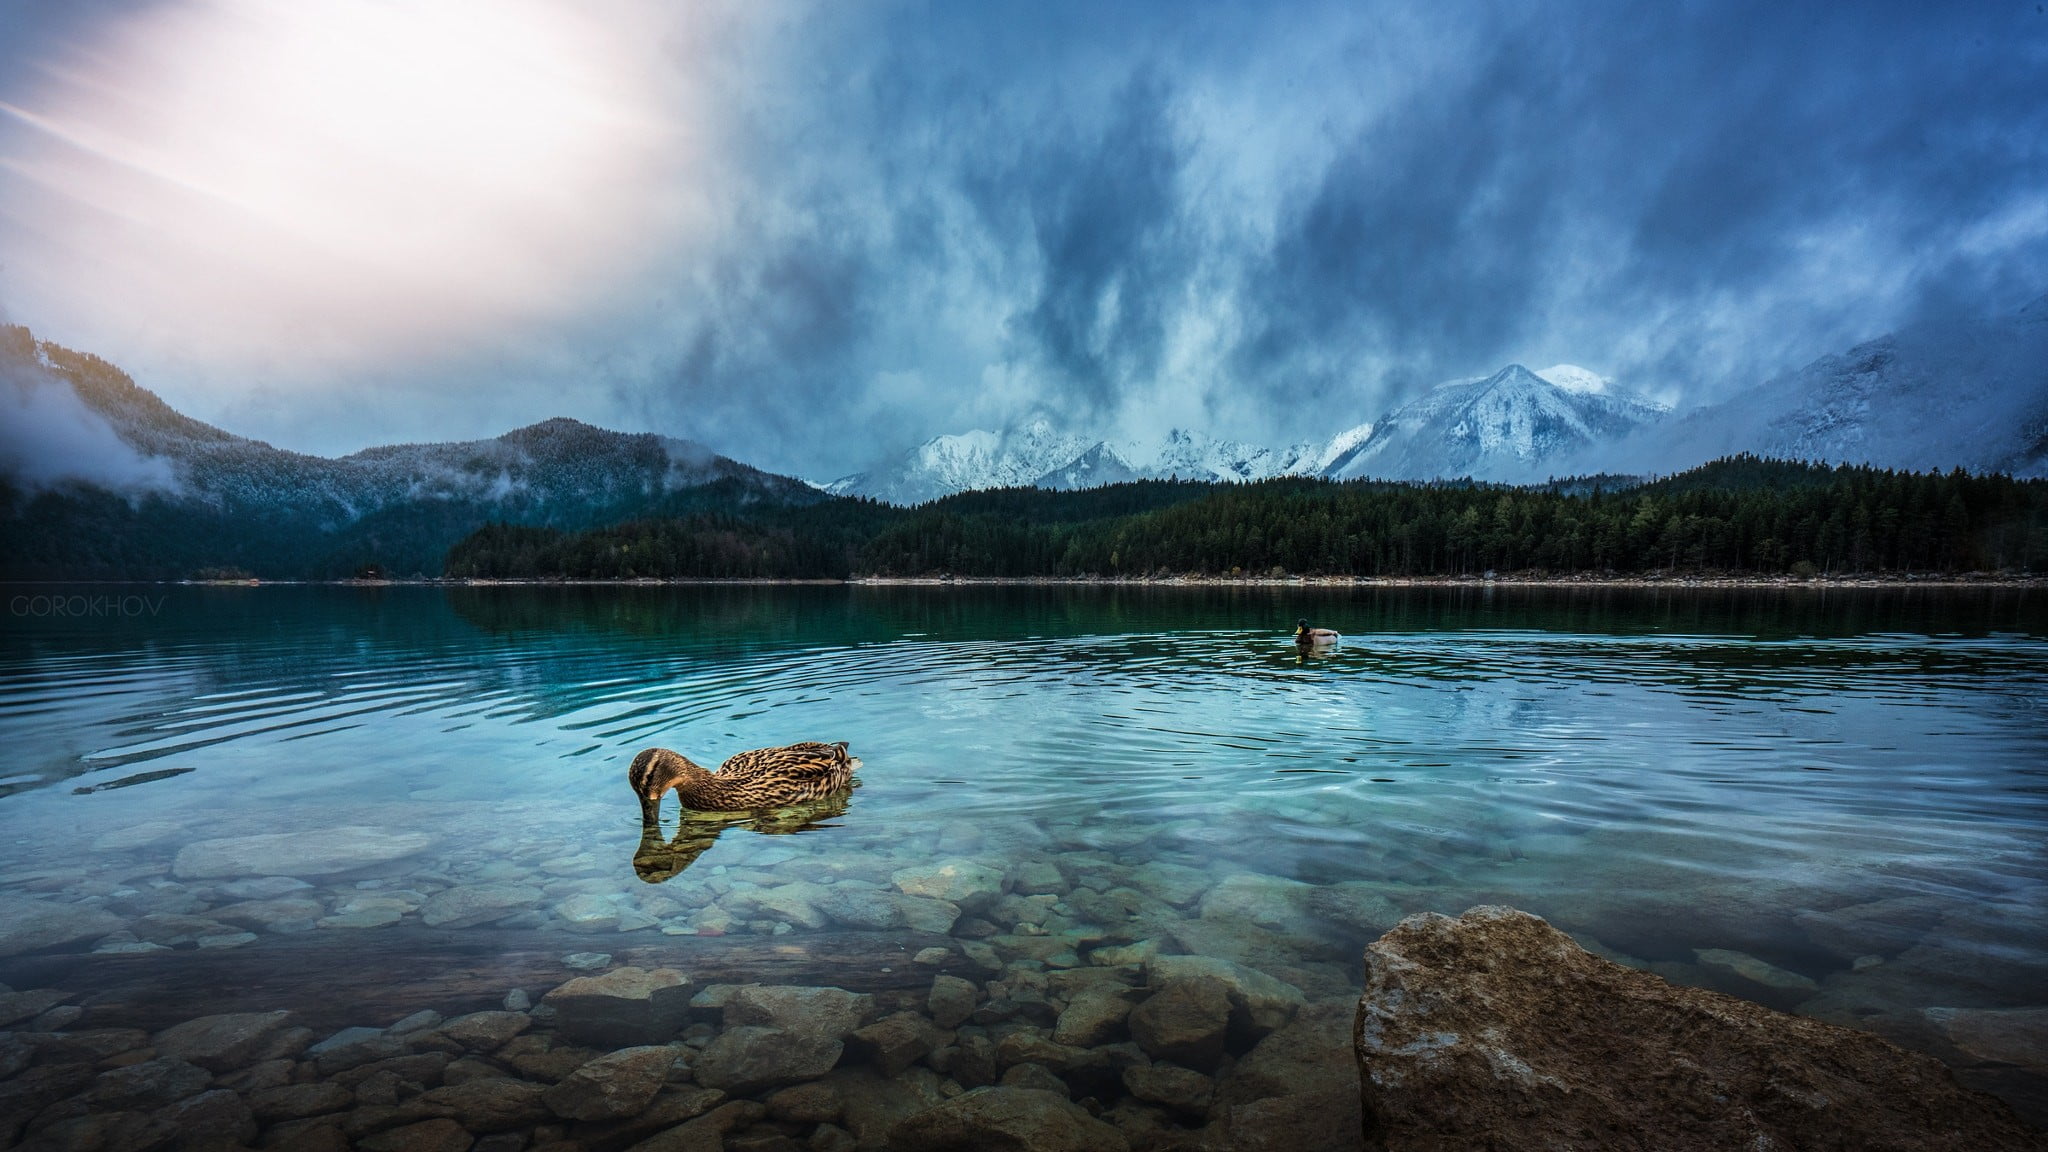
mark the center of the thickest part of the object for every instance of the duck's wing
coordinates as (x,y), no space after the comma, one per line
(810,763)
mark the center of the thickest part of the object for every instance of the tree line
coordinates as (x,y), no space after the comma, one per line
(1741,515)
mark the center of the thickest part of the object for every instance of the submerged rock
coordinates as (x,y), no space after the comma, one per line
(956,881)
(1494,1029)
(747,1058)
(624,1007)
(1006,1120)
(28,925)
(2016,1036)
(222,1043)
(317,852)
(615,1085)
(474,904)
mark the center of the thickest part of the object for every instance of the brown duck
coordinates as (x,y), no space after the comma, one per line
(750,781)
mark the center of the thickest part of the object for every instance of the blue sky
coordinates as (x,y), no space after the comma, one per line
(809,233)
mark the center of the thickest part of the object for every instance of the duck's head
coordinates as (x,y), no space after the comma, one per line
(653,773)
(1301,628)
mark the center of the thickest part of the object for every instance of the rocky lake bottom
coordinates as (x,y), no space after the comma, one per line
(331,870)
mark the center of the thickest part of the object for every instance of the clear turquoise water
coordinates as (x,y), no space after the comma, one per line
(1815,780)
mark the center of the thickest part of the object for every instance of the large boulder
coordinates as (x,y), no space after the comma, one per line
(1006,1120)
(622,1008)
(317,852)
(1495,1029)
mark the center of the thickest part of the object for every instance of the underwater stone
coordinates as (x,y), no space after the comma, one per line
(1259,1003)
(1006,1118)
(490,1104)
(1094,1016)
(892,1043)
(263,888)
(299,1101)
(319,852)
(615,1085)
(227,940)
(153,1082)
(1185,1023)
(29,925)
(486,1031)
(270,913)
(812,1103)
(1035,877)
(221,1043)
(957,881)
(828,1013)
(623,1007)
(856,906)
(586,961)
(1180,1089)
(438,1135)
(1752,969)
(585,912)
(748,1058)
(2004,1035)
(951,1001)
(1268,901)
(216,1119)
(476,904)
(1176,884)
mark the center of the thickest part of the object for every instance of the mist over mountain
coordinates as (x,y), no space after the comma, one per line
(1948,391)
(100,476)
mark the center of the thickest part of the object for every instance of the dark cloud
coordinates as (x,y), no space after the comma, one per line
(931,215)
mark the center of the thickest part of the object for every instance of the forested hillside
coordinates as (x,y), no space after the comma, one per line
(1740,515)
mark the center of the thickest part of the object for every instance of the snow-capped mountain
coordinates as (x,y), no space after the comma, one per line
(224,500)
(1936,395)
(1513,426)
(1036,454)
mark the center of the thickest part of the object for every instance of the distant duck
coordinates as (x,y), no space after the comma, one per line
(750,781)
(1308,637)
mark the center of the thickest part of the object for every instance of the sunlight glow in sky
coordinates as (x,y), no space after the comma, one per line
(363,177)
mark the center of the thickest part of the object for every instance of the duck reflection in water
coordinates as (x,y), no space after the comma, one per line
(660,859)
(773,790)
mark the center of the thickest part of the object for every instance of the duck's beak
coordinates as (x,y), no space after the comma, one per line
(650,810)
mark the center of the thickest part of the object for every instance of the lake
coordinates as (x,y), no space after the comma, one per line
(1833,802)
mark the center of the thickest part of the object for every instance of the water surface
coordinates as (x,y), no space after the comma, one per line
(1832,802)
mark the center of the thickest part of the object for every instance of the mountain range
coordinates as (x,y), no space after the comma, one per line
(99,476)
(1507,427)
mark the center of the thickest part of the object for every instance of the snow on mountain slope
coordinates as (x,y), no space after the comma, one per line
(1036,454)
(1513,426)
(1573,378)
(1942,394)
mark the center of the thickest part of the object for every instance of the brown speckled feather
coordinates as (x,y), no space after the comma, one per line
(762,778)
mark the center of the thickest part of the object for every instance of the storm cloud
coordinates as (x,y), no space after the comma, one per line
(897,220)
